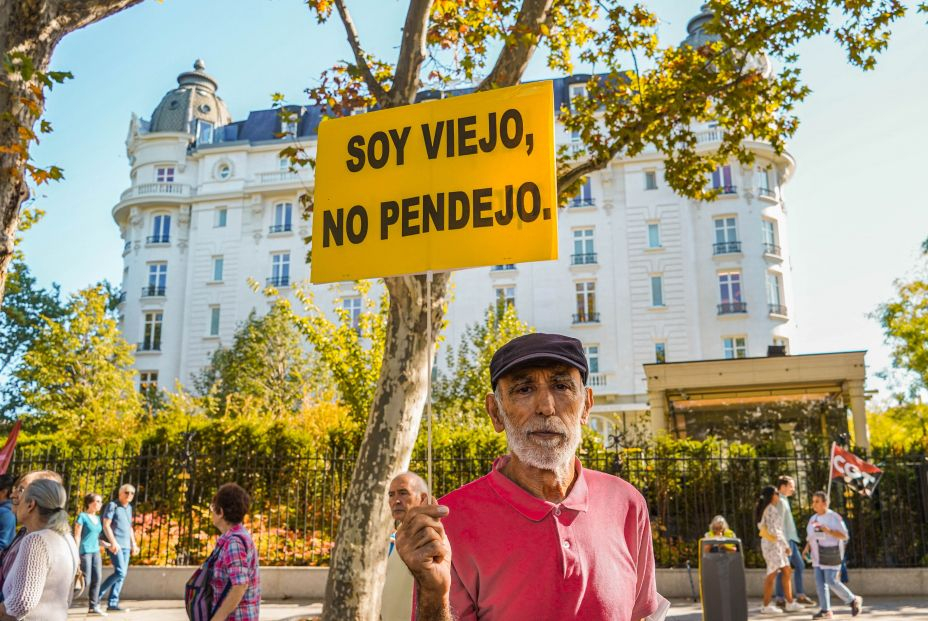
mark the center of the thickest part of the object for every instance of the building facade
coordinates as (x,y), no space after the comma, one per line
(644,275)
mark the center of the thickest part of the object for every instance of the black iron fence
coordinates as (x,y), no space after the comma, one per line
(297,499)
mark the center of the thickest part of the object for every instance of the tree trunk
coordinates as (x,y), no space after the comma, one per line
(360,554)
(31,28)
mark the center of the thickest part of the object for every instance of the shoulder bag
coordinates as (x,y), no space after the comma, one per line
(198,592)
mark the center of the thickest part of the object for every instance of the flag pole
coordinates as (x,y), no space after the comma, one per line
(831,460)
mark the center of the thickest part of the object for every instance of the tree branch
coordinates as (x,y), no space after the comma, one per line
(514,57)
(375,87)
(76,14)
(412,53)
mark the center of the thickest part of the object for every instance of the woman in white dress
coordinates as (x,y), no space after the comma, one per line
(776,549)
(40,584)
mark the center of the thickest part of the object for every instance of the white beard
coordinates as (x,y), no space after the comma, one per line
(542,453)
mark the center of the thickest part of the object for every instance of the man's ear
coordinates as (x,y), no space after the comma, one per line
(587,406)
(493,410)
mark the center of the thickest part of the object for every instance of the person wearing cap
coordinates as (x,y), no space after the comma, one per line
(539,537)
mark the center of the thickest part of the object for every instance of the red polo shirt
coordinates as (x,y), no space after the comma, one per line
(517,557)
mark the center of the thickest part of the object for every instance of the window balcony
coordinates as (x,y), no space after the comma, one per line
(278,281)
(506,267)
(731,308)
(160,190)
(153,291)
(280,228)
(126,248)
(767,193)
(772,249)
(729,247)
(158,239)
(121,298)
(149,346)
(584,258)
(579,318)
(777,309)
(597,380)
(582,202)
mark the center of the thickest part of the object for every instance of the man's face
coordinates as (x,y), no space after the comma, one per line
(819,505)
(541,409)
(787,490)
(126,496)
(404,494)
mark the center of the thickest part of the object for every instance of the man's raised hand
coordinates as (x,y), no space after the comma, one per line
(422,544)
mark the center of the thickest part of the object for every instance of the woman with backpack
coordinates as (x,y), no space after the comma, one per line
(227,586)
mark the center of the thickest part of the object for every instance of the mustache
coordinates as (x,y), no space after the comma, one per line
(545,426)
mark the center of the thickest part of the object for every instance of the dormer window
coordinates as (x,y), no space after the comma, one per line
(204,132)
(164,174)
(577,91)
(289,126)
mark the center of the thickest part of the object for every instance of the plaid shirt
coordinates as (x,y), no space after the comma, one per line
(237,564)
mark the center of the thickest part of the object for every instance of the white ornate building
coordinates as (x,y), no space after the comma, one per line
(644,274)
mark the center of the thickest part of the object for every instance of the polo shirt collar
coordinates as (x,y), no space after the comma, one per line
(532,507)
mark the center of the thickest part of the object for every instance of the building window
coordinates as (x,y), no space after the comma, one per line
(650,180)
(775,294)
(218,265)
(654,235)
(204,132)
(592,357)
(148,381)
(586,303)
(585,197)
(726,235)
(771,242)
(283,218)
(584,253)
(224,171)
(660,352)
(721,180)
(222,217)
(151,335)
(164,174)
(780,341)
(161,229)
(765,182)
(577,91)
(280,270)
(157,279)
(289,125)
(214,315)
(505,297)
(352,307)
(283,164)
(730,293)
(657,290)
(734,347)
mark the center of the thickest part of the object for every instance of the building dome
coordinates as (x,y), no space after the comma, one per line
(697,37)
(194,99)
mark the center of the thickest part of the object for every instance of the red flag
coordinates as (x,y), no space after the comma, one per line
(6,453)
(857,474)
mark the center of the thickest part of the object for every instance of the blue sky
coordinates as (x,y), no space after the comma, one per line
(856,205)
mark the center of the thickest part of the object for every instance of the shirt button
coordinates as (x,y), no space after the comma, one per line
(557,510)
(566,544)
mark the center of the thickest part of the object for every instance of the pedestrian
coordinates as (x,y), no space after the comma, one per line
(539,537)
(235,581)
(120,537)
(826,538)
(775,548)
(87,529)
(7,518)
(719,529)
(40,584)
(406,490)
(8,556)
(786,487)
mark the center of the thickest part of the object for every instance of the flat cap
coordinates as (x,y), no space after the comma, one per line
(538,346)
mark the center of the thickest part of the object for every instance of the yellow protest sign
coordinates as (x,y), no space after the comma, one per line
(458,182)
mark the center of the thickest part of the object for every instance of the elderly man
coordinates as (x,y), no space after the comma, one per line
(407,490)
(539,537)
(117,528)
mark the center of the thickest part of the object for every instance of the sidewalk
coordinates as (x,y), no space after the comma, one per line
(882,608)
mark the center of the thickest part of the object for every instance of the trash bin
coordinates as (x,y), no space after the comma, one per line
(722,586)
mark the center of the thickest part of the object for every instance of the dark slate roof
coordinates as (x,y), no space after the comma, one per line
(263,125)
